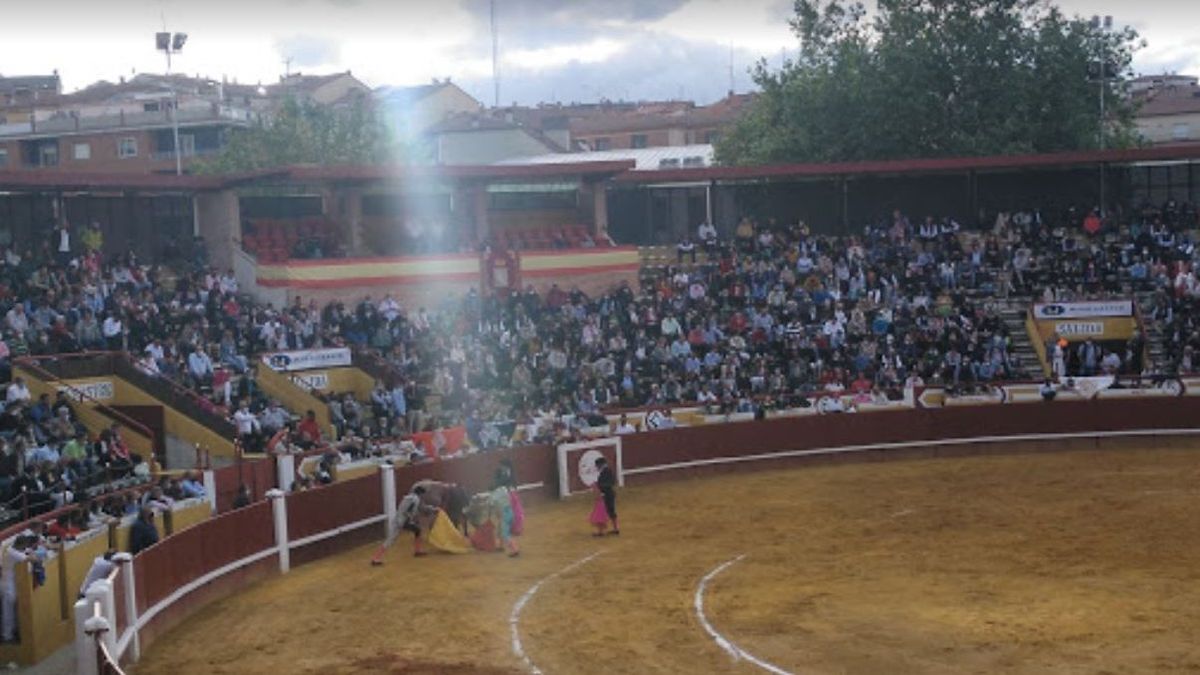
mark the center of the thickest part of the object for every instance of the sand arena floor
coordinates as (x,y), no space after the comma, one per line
(1073,562)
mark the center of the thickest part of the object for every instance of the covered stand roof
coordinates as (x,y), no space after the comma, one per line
(79,180)
(623,171)
(89,180)
(367,174)
(899,166)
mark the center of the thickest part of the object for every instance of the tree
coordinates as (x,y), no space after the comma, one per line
(306,133)
(928,78)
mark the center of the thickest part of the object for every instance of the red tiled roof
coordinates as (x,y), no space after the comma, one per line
(48,179)
(1172,100)
(79,180)
(725,111)
(357,174)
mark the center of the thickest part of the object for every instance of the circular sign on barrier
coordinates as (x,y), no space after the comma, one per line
(588,473)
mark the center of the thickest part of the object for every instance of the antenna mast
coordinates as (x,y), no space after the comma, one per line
(495,58)
(731,87)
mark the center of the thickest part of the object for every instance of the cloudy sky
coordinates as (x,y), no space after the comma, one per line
(564,50)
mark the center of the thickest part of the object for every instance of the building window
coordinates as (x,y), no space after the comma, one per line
(187,143)
(604,143)
(150,107)
(48,155)
(83,151)
(1181,132)
(127,148)
(3,157)
(637,141)
(711,137)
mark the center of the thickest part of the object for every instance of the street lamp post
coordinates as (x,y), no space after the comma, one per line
(1104,26)
(169,44)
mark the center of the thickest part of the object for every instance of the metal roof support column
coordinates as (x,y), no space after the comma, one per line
(599,208)
(973,195)
(708,201)
(845,203)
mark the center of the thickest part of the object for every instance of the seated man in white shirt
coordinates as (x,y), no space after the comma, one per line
(624,427)
(17,392)
(200,366)
(155,351)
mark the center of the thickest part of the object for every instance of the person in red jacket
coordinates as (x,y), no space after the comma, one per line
(308,431)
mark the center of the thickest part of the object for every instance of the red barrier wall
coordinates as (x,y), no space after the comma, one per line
(329,507)
(203,548)
(196,551)
(257,474)
(693,444)
(531,463)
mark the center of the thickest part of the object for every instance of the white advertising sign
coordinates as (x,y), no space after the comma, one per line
(100,391)
(1083,310)
(308,359)
(312,381)
(1079,328)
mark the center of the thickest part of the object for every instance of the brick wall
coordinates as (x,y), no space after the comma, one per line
(104,157)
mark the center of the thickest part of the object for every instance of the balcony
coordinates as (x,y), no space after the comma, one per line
(65,123)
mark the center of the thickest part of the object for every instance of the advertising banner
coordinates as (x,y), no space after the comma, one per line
(1083,310)
(100,391)
(308,359)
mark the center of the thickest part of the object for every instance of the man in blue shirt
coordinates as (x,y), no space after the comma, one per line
(191,486)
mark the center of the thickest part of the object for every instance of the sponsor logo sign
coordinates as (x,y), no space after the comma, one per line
(1077,328)
(308,359)
(588,473)
(1083,310)
(101,391)
(312,381)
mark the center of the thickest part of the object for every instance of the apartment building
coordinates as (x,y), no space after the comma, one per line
(129,126)
(1169,109)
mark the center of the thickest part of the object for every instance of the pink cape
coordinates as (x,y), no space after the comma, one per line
(599,513)
(518,513)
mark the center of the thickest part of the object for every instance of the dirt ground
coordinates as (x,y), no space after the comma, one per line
(1075,562)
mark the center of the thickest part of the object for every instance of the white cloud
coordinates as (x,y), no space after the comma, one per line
(596,51)
(411,41)
(753,25)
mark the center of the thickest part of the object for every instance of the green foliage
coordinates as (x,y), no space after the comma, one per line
(929,78)
(307,133)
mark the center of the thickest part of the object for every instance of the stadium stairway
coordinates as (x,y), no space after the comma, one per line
(118,383)
(1155,348)
(1013,312)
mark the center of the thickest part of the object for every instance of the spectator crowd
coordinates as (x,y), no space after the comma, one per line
(772,315)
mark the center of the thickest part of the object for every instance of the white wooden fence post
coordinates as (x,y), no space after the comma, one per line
(285,467)
(131,616)
(387,472)
(102,592)
(85,646)
(210,489)
(95,629)
(279,509)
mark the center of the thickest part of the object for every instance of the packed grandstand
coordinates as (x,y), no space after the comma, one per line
(768,316)
(753,319)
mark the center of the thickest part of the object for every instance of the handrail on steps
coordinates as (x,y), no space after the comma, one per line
(105,409)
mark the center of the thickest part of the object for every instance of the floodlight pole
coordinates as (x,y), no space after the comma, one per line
(168,50)
(1103,26)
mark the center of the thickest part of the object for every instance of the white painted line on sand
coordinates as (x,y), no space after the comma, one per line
(514,618)
(723,642)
